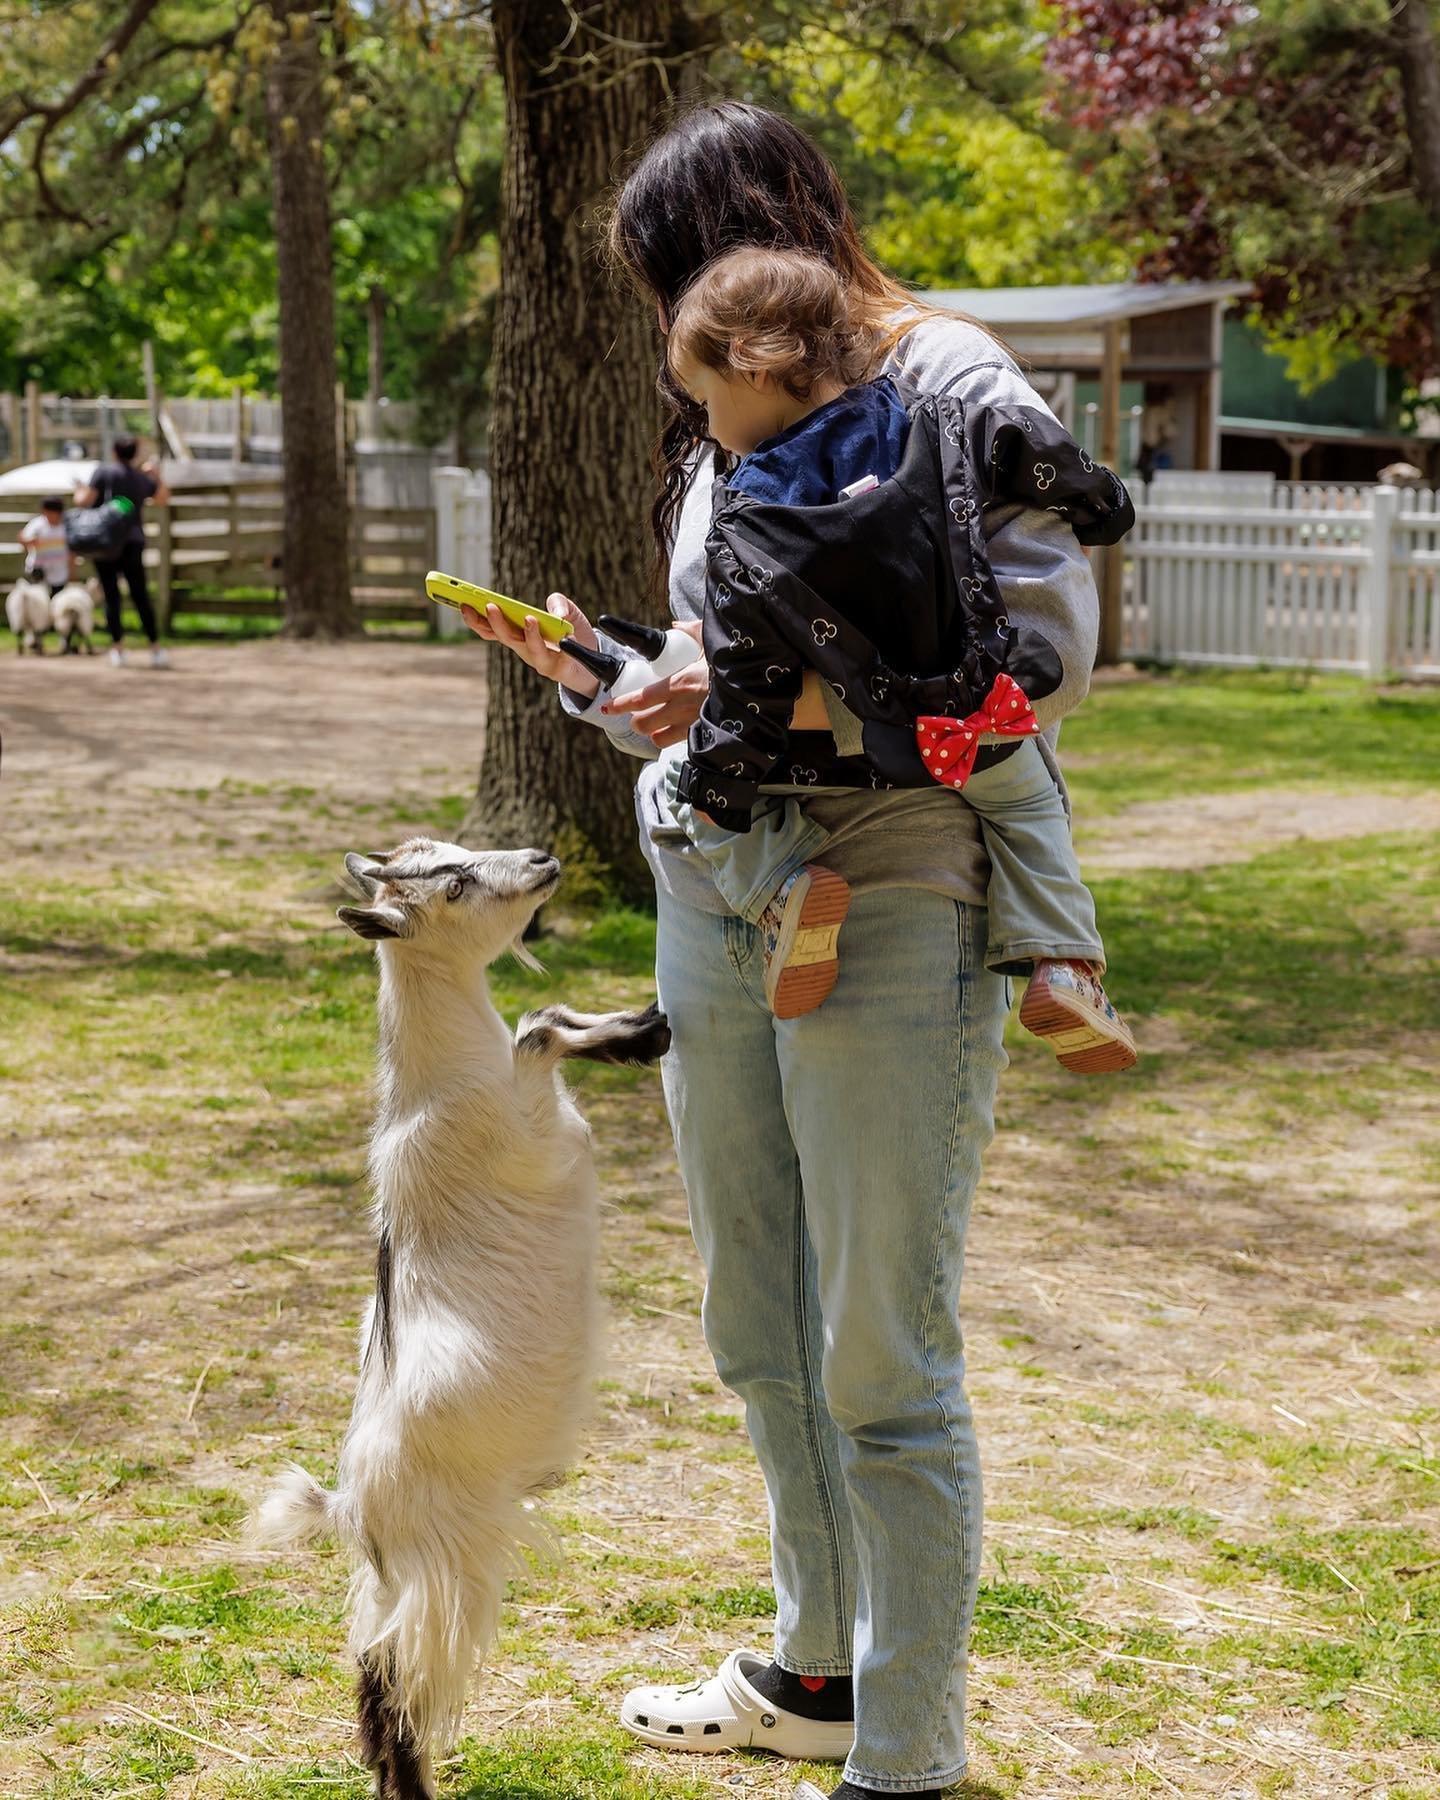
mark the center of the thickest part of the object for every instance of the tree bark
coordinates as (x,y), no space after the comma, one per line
(316,560)
(574,410)
(1413,36)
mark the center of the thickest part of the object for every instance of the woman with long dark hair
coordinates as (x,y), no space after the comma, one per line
(830,1160)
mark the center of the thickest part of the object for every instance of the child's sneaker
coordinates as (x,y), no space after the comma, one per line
(1066,1005)
(798,930)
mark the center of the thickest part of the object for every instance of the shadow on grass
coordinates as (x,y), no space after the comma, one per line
(620,942)
(578,1767)
(1303,948)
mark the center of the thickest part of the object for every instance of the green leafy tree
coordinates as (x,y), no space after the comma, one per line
(959,184)
(200,172)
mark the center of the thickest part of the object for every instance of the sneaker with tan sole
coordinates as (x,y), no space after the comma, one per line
(1066,1005)
(799,929)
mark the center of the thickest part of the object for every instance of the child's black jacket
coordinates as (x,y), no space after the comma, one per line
(889,594)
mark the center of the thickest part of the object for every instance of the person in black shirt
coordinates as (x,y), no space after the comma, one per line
(115,481)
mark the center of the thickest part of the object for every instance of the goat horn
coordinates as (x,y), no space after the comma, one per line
(362,871)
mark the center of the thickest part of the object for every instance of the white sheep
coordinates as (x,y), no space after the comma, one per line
(479,1348)
(72,613)
(27,609)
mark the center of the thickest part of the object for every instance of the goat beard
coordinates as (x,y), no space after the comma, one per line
(522,954)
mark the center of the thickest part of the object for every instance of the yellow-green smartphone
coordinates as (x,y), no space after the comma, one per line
(450,590)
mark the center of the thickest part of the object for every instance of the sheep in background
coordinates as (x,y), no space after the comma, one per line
(72,613)
(479,1348)
(27,609)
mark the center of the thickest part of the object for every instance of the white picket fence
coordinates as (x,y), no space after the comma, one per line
(1236,569)
(1221,568)
(462,534)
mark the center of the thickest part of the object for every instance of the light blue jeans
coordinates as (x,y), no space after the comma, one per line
(830,1163)
(1038,904)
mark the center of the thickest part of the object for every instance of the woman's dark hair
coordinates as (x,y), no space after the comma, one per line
(723,175)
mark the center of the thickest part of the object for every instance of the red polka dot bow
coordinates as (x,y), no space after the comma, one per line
(948,746)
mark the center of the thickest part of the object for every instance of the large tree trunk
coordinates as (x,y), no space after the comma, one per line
(316,562)
(574,409)
(1413,35)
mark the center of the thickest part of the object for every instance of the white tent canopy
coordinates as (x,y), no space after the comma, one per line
(59,475)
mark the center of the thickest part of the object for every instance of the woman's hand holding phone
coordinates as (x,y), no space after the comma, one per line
(531,648)
(663,710)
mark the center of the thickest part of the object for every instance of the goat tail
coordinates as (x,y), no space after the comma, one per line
(295,1510)
(420,1629)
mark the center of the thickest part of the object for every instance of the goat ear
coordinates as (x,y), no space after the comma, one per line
(368,922)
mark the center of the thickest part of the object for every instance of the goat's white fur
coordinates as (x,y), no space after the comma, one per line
(27,612)
(485,1190)
(72,613)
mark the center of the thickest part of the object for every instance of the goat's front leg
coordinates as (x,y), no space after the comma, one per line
(546,1037)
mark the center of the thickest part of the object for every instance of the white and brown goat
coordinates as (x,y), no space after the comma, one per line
(479,1350)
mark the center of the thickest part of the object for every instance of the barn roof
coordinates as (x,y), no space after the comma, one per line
(1098,303)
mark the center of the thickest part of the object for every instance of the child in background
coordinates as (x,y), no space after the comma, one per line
(47,555)
(847,538)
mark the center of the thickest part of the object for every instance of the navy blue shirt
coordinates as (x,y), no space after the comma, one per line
(860,432)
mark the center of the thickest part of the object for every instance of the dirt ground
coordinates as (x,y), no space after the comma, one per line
(1201,1312)
(141,751)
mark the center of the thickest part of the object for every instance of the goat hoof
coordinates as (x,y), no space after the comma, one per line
(652,1037)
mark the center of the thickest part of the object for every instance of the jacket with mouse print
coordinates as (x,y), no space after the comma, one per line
(889,594)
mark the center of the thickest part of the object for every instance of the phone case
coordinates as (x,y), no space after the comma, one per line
(450,590)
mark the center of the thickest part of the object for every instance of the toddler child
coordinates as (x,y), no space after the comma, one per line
(847,537)
(47,555)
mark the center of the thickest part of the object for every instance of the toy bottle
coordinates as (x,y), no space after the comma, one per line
(661,653)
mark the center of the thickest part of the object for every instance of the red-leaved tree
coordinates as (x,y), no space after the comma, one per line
(1292,143)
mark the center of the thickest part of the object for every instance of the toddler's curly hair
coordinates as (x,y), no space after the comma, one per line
(777,312)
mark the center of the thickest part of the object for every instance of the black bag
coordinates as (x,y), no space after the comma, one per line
(99,530)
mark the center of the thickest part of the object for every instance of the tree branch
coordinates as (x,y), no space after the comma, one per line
(21,106)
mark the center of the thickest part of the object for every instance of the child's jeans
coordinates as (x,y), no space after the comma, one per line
(748,867)
(1039,907)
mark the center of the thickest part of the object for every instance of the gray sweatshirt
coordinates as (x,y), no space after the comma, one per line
(906,837)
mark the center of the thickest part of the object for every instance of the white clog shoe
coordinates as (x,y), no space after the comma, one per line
(725,1713)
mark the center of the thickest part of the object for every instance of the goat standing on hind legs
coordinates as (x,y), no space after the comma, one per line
(479,1348)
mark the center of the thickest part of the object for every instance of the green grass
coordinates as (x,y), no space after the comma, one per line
(188,1057)
(194,625)
(1291,950)
(1213,732)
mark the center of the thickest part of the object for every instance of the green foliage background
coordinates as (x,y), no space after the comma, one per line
(948,161)
(946,117)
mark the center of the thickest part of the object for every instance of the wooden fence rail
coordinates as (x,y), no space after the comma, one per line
(209,542)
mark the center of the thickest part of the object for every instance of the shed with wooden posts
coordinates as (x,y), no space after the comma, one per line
(1163,336)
